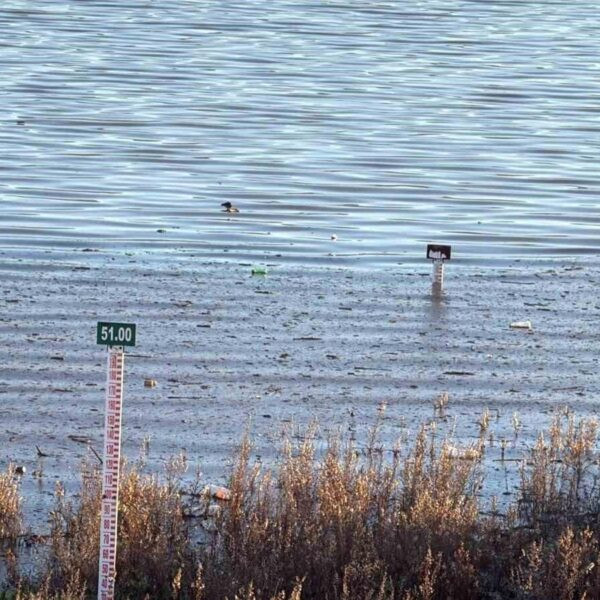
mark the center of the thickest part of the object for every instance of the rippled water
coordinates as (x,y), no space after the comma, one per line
(386,123)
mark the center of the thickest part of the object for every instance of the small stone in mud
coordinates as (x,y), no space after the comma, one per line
(149,383)
(183,304)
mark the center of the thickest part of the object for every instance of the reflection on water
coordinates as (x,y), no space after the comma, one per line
(388,124)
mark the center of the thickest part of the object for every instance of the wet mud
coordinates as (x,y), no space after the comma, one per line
(268,354)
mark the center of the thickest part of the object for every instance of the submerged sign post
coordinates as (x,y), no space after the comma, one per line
(438,254)
(115,336)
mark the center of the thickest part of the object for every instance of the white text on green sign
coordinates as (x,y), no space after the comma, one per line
(115,334)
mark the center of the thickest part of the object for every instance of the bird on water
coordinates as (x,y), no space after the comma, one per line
(230,208)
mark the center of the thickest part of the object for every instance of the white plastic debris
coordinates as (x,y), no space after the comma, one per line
(217,492)
(469,453)
(522,325)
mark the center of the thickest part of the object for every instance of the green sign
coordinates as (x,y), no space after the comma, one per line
(115,334)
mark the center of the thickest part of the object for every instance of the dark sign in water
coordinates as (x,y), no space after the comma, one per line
(437,251)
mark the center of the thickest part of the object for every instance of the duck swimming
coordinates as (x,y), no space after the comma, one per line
(230,208)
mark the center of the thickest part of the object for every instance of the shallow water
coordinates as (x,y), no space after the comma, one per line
(388,124)
(269,355)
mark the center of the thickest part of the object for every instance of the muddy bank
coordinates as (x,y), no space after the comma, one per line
(231,351)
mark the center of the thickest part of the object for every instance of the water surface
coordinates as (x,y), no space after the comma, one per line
(387,124)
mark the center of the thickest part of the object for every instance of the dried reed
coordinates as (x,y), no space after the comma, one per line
(402,523)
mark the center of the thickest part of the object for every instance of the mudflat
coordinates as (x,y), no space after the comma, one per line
(269,354)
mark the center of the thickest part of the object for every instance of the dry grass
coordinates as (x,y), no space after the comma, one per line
(154,540)
(405,524)
(11,525)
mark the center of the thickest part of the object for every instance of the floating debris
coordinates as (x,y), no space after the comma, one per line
(80,439)
(218,492)
(470,453)
(522,325)
(465,373)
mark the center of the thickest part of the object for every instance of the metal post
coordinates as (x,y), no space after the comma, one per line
(110,474)
(438,253)
(437,287)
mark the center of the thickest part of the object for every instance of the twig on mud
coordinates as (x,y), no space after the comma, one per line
(95,453)
(40,453)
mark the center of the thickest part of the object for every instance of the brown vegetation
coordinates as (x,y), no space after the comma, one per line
(10,508)
(347,524)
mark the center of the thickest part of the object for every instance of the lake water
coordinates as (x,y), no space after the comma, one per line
(388,124)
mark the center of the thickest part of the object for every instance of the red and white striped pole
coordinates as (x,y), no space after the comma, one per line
(110,474)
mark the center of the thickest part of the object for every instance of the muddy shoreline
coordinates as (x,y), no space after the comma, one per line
(233,352)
